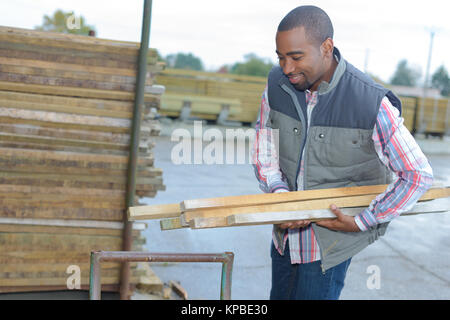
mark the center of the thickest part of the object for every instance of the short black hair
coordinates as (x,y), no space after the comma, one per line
(317,23)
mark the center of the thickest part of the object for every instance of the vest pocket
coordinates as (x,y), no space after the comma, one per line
(338,157)
(340,147)
(289,144)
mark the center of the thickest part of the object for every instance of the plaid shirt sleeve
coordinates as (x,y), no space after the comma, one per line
(265,153)
(398,150)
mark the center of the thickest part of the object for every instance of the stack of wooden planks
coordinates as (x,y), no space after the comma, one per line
(427,115)
(66,106)
(433,115)
(247,90)
(204,107)
(276,207)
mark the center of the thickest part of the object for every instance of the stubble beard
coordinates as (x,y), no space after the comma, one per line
(306,85)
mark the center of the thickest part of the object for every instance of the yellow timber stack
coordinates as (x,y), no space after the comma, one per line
(66,106)
(420,114)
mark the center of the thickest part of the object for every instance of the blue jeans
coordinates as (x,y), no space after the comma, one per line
(304,281)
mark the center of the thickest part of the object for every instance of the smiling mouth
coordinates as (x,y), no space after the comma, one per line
(295,78)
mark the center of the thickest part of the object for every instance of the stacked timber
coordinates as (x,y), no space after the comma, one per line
(424,115)
(433,115)
(66,107)
(218,87)
(275,208)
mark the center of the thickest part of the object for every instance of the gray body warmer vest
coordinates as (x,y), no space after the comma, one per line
(338,148)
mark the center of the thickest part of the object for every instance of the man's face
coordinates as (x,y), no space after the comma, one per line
(300,58)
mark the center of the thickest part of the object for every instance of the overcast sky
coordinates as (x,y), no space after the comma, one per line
(222,32)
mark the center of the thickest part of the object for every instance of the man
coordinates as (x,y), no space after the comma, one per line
(337,128)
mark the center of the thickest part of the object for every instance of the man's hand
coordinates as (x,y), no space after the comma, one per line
(295,224)
(341,223)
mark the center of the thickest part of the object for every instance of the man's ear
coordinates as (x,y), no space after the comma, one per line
(326,48)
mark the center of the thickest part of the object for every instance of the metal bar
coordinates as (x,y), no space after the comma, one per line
(447,118)
(227,270)
(95,285)
(416,108)
(435,112)
(134,144)
(97,257)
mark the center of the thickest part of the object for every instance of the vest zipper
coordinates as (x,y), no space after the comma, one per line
(305,143)
(302,120)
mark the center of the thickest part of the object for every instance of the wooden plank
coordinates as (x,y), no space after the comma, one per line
(55,142)
(433,206)
(178,289)
(57,242)
(46,182)
(73,92)
(18,164)
(33,52)
(268,198)
(64,109)
(59,281)
(16,157)
(67,67)
(65,82)
(81,75)
(149,282)
(62,148)
(173,223)
(21,211)
(62,202)
(70,224)
(96,104)
(248,203)
(48,52)
(211,222)
(52,272)
(58,270)
(85,287)
(64,133)
(14,228)
(95,160)
(353,201)
(65,118)
(154,212)
(61,267)
(68,41)
(77,177)
(213,75)
(56,191)
(74,256)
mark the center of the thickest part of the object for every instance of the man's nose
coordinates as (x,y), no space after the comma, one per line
(288,67)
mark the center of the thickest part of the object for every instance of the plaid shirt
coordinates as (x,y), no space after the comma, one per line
(395,147)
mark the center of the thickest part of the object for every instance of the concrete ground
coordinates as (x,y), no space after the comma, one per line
(413,258)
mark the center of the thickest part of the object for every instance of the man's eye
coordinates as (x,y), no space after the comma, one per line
(280,58)
(296,58)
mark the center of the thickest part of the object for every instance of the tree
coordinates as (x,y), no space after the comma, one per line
(65,22)
(184,61)
(441,81)
(253,66)
(405,75)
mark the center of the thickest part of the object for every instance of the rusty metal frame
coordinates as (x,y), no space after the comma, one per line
(97,257)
